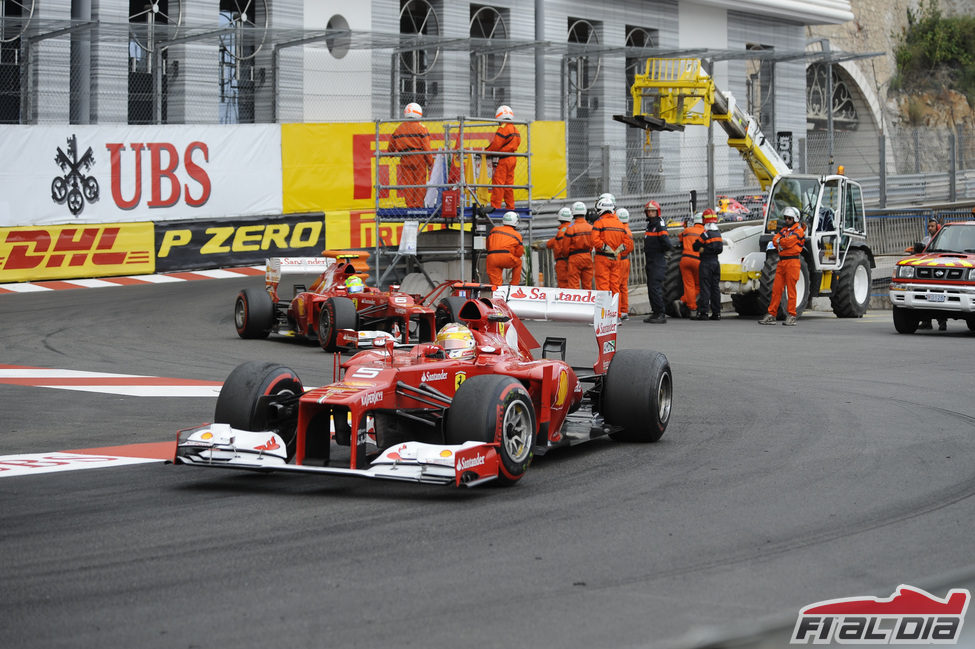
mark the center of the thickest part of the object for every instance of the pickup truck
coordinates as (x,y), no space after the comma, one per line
(937,281)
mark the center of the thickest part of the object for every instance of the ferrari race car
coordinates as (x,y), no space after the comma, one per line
(336,300)
(462,411)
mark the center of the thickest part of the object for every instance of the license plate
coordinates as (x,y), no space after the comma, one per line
(936,297)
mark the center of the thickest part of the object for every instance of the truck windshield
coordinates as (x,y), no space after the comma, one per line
(797,192)
(953,238)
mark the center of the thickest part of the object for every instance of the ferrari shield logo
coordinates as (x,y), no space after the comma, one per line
(459,378)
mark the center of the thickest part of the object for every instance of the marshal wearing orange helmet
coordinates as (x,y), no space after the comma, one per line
(410,138)
(504,250)
(709,245)
(609,242)
(690,264)
(507,139)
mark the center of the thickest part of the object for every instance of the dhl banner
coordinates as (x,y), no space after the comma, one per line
(120,173)
(69,251)
(331,168)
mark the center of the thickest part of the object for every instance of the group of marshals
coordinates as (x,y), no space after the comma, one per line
(597,255)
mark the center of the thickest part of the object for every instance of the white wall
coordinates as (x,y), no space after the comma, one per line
(337,89)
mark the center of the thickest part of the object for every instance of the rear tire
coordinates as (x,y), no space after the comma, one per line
(768,280)
(851,297)
(448,310)
(239,403)
(494,408)
(253,313)
(638,393)
(336,313)
(905,322)
(673,285)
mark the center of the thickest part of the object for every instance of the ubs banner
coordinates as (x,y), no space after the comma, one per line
(109,174)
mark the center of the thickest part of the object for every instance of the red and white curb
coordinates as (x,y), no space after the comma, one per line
(107,383)
(162,278)
(90,458)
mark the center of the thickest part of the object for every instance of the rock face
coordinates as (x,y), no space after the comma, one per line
(942,108)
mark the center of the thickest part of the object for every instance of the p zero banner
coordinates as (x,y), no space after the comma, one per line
(332,168)
(109,174)
(69,251)
(241,241)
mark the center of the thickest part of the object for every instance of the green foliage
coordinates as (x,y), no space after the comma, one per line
(935,51)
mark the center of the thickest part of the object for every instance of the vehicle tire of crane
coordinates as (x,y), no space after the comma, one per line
(970,321)
(494,408)
(747,304)
(673,284)
(253,313)
(239,403)
(448,310)
(767,280)
(905,322)
(851,294)
(638,393)
(336,313)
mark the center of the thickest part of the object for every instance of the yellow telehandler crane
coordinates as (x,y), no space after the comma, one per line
(836,262)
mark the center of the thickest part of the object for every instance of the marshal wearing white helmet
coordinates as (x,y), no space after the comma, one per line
(559,245)
(504,250)
(506,141)
(623,215)
(409,139)
(789,242)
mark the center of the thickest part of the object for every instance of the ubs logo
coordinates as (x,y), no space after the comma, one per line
(73,186)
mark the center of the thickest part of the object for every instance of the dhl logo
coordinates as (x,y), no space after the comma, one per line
(62,251)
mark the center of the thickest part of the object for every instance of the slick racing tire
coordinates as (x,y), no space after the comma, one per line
(261,396)
(638,394)
(851,296)
(253,313)
(336,313)
(448,310)
(494,408)
(767,280)
(905,321)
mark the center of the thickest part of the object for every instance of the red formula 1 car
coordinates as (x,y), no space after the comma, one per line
(461,412)
(328,305)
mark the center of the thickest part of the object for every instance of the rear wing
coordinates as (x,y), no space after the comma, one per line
(601,308)
(280,266)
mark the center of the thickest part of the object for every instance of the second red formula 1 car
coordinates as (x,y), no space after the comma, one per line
(336,300)
(472,407)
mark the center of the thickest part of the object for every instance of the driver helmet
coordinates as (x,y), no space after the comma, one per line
(565,214)
(457,341)
(791,213)
(510,218)
(623,214)
(354,285)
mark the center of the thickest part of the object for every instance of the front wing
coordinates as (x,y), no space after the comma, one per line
(220,446)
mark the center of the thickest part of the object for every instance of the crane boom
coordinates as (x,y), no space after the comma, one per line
(673,93)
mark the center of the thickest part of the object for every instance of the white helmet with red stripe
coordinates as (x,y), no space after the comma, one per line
(505,113)
(413,111)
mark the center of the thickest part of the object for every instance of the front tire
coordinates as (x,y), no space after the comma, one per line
(905,322)
(261,396)
(638,393)
(253,313)
(336,313)
(494,408)
(851,296)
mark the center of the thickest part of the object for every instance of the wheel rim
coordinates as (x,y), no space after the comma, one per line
(516,432)
(861,284)
(240,314)
(800,291)
(665,394)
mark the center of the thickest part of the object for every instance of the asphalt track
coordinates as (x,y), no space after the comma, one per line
(834,459)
